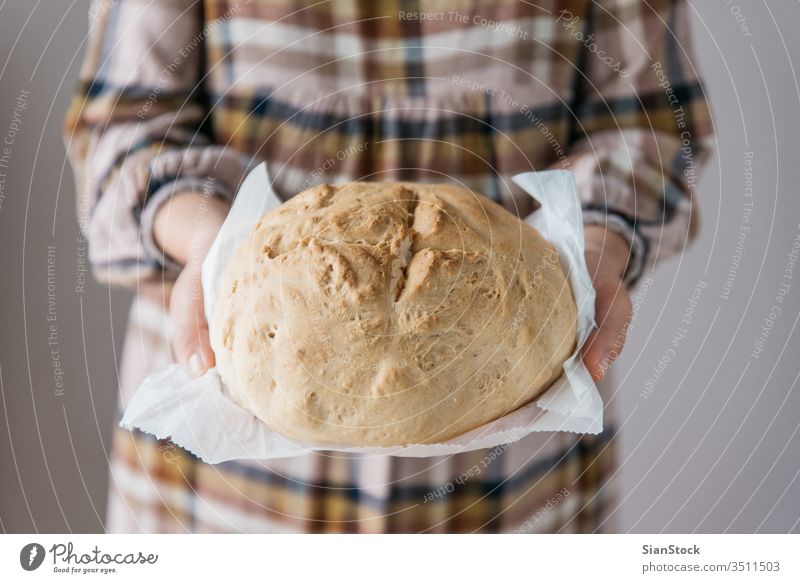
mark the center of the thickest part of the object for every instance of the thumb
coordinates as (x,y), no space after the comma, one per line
(190,327)
(612,313)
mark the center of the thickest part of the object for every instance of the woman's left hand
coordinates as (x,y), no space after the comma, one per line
(606,257)
(185,228)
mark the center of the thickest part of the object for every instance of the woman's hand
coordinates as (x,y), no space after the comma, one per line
(606,257)
(185,228)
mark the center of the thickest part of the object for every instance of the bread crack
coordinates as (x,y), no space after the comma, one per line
(405,251)
(398,268)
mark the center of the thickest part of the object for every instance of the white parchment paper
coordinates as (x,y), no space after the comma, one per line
(200,416)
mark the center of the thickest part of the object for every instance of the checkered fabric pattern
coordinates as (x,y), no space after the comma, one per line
(179,95)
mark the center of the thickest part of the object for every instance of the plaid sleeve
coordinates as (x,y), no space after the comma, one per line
(641,126)
(136,131)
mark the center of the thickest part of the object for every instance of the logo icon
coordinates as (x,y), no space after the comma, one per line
(31,556)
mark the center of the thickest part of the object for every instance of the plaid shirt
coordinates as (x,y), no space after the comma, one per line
(179,95)
(185,94)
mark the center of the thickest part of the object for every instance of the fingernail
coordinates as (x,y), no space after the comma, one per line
(600,374)
(196,365)
(605,362)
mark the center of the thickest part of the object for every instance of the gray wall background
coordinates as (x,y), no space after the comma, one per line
(712,447)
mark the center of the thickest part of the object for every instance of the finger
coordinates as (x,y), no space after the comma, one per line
(190,327)
(612,314)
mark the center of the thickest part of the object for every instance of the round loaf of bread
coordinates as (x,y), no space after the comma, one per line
(377,314)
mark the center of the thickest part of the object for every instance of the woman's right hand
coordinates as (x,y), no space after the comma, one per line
(185,228)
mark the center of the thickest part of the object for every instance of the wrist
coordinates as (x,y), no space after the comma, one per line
(185,227)
(202,238)
(606,251)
